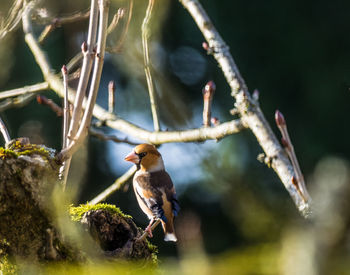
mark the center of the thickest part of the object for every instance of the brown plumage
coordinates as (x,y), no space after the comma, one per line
(154,188)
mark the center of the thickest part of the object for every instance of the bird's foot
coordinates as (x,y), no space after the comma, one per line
(149,231)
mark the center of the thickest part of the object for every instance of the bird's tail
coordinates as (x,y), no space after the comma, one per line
(169,231)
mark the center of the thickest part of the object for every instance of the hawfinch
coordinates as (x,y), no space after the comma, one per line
(154,189)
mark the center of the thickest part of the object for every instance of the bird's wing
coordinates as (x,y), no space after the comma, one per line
(162,181)
(150,196)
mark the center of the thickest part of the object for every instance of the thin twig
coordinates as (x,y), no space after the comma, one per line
(49,102)
(85,71)
(111,96)
(4,131)
(66,118)
(192,135)
(117,48)
(145,234)
(117,16)
(300,182)
(25,90)
(95,83)
(13,19)
(16,102)
(105,137)
(57,22)
(208,93)
(251,115)
(66,110)
(145,35)
(115,186)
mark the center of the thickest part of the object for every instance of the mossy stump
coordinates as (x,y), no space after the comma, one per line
(116,233)
(27,179)
(28,233)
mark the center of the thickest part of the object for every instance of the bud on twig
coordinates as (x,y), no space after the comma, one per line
(256,95)
(280,121)
(298,180)
(207,48)
(84,47)
(64,70)
(215,121)
(111,96)
(208,93)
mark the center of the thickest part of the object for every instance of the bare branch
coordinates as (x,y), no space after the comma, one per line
(250,112)
(85,71)
(66,110)
(145,36)
(57,22)
(105,137)
(13,19)
(4,131)
(52,105)
(115,186)
(117,48)
(95,83)
(120,13)
(25,90)
(299,181)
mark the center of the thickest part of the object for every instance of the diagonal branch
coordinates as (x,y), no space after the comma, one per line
(25,90)
(249,110)
(115,186)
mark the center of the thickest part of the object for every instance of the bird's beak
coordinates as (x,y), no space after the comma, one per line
(132,157)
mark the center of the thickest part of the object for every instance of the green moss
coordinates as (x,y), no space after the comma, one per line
(6,153)
(77,212)
(154,250)
(6,266)
(25,150)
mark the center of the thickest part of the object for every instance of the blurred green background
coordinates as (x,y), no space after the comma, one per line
(236,215)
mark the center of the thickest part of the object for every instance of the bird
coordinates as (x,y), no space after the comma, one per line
(154,189)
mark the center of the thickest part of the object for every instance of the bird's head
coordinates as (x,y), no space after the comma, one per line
(146,157)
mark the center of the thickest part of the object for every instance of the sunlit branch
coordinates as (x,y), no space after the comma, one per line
(4,131)
(249,111)
(113,138)
(25,90)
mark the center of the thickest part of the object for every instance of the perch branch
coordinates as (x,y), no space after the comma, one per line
(115,186)
(145,35)
(145,234)
(25,90)
(251,115)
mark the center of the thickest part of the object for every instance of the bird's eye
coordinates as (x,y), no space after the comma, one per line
(141,155)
